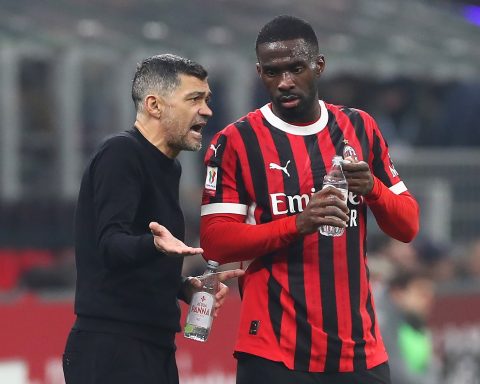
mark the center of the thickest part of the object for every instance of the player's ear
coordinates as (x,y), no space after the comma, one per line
(259,69)
(319,65)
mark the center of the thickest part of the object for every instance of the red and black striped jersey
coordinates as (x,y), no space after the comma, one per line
(306,301)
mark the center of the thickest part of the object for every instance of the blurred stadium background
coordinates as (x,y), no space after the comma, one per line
(65,74)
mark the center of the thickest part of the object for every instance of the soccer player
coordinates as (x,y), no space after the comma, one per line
(129,234)
(307,311)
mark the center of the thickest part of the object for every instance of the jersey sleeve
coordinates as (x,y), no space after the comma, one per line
(224,190)
(380,161)
(395,209)
(397,215)
(226,238)
(225,233)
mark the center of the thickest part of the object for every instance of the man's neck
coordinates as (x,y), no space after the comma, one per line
(311,116)
(155,136)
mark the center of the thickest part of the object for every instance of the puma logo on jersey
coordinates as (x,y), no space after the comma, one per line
(283,169)
(212,147)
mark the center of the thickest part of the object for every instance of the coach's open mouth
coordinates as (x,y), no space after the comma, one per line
(198,127)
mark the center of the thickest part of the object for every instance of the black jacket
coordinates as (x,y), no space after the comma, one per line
(124,285)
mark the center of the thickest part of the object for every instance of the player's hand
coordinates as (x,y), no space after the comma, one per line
(326,207)
(223,289)
(358,175)
(167,243)
(195,284)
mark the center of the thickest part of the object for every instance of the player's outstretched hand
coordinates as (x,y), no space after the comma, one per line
(222,288)
(167,243)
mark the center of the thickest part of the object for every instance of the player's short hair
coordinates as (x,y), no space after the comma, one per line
(286,27)
(160,74)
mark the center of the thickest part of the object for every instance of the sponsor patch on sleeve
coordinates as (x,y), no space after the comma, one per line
(211,180)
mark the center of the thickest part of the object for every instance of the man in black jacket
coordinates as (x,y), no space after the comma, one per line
(129,234)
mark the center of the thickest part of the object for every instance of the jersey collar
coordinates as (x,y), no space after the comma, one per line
(302,130)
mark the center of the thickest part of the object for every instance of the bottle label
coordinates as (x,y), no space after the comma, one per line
(201,309)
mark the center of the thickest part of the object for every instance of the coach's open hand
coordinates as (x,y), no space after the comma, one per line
(167,243)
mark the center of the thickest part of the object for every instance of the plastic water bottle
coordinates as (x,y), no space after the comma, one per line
(335,178)
(200,315)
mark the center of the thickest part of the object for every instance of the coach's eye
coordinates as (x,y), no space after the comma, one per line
(196,99)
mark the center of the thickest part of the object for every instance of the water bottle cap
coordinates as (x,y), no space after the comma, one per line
(337,159)
(213,263)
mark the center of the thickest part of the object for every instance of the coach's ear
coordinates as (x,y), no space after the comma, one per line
(154,106)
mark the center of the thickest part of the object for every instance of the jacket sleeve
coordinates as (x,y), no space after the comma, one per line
(117,180)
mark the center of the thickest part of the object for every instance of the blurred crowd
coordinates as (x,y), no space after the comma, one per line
(408,279)
(413,112)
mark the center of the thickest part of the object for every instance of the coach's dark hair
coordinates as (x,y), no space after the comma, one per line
(288,28)
(160,74)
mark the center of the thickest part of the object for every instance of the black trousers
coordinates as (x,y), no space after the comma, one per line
(104,358)
(256,370)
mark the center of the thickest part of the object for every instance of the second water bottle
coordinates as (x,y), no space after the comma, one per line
(200,314)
